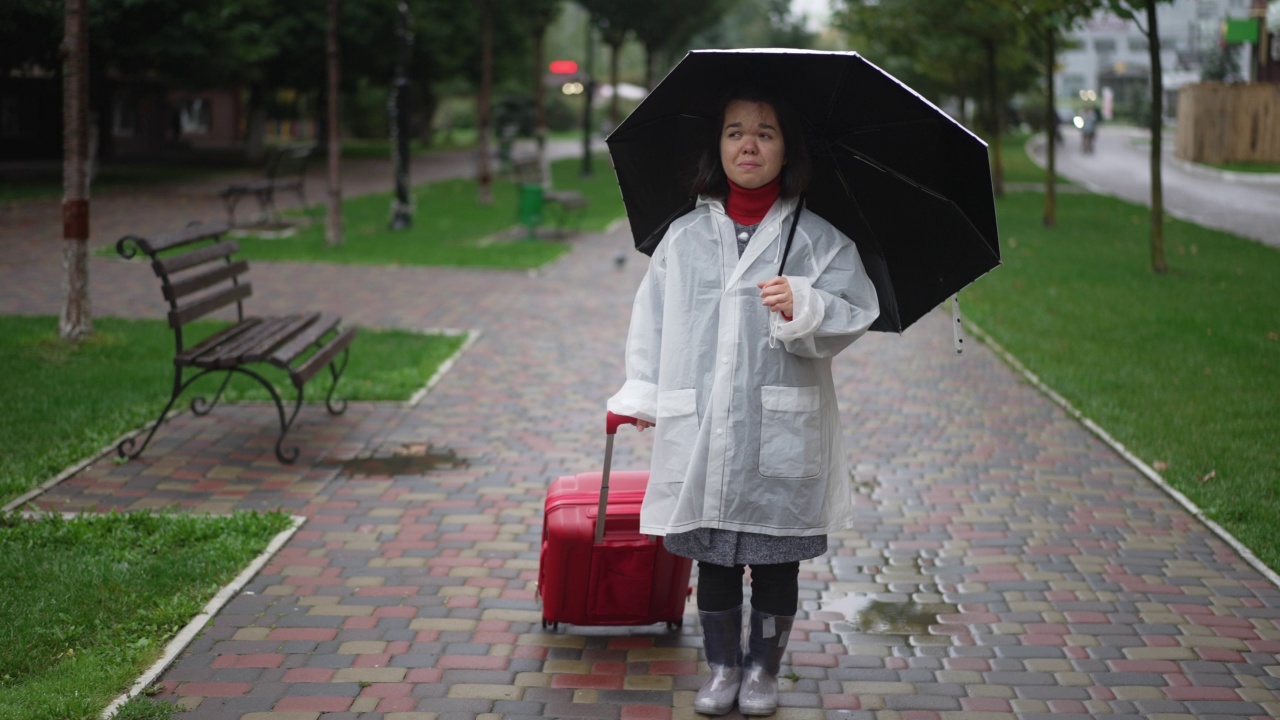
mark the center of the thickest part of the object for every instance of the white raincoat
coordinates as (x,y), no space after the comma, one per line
(747,430)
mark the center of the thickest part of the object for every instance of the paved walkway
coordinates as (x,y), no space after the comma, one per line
(1246,206)
(1007,563)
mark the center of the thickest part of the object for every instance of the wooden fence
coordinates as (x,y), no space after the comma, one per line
(1220,123)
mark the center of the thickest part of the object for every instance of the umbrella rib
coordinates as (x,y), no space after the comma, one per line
(886,169)
(660,118)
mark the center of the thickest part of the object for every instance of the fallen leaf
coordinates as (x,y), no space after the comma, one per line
(1273,336)
(1208,371)
(1159,466)
(1209,330)
(1210,476)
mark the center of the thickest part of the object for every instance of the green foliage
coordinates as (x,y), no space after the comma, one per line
(87,604)
(1181,368)
(67,401)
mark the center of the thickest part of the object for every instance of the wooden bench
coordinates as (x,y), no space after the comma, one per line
(571,203)
(198,277)
(286,171)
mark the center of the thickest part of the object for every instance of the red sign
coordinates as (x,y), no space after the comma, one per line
(564,67)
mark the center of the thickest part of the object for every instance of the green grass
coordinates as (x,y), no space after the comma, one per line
(1017,166)
(1264,168)
(450,228)
(87,605)
(1183,369)
(66,402)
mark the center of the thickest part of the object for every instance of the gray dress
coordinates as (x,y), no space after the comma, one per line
(730,547)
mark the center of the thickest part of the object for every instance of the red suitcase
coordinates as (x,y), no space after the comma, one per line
(592,573)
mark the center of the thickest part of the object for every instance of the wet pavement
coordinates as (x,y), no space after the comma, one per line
(1007,563)
(1240,203)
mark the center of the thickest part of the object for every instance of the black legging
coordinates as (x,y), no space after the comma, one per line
(775,589)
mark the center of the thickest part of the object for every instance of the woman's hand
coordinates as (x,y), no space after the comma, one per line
(776,294)
(642,424)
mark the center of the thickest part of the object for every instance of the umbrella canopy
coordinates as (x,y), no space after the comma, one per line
(909,185)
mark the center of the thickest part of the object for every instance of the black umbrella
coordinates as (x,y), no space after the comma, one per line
(907,183)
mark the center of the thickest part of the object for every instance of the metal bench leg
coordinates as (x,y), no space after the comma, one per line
(285,422)
(201,407)
(126,447)
(336,371)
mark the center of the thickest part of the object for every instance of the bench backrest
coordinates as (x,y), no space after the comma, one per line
(198,275)
(289,162)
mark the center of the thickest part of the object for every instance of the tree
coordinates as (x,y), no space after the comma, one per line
(616,21)
(974,48)
(483,101)
(1047,21)
(665,28)
(539,14)
(76,321)
(1129,9)
(333,228)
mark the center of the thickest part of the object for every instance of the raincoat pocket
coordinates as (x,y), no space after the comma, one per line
(677,430)
(790,432)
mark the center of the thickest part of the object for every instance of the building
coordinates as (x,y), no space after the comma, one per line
(1110,63)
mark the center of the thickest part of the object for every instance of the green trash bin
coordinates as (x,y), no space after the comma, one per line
(530,208)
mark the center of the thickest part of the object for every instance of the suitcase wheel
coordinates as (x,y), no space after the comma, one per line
(675,625)
(548,624)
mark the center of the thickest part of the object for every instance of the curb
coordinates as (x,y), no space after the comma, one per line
(1146,470)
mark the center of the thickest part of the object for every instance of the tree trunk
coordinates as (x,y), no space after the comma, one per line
(76,321)
(1158,263)
(486,88)
(333,232)
(398,122)
(615,116)
(1050,131)
(997,119)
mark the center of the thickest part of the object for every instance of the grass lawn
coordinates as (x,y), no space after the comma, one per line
(1268,168)
(1183,369)
(87,605)
(449,227)
(65,403)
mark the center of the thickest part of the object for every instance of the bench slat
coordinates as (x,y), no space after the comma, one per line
(300,342)
(208,304)
(190,355)
(177,290)
(322,357)
(269,331)
(164,267)
(185,236)
(260,351)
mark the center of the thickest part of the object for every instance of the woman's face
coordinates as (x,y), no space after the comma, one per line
(751,146)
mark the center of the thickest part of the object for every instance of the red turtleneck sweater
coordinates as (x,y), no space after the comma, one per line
(748,207)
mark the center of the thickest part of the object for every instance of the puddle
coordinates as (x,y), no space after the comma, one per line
(409,459)
(869,616)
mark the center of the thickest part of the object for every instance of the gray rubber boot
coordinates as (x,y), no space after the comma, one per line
(768,640)
(722,641)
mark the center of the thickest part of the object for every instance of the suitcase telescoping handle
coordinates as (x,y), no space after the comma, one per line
(611,423)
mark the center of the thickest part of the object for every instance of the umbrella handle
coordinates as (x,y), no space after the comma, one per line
(791,235)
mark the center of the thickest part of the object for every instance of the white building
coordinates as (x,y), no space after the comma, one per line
(1109,63)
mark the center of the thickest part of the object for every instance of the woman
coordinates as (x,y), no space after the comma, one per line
(731,364)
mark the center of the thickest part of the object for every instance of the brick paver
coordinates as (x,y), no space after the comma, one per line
(1006,563)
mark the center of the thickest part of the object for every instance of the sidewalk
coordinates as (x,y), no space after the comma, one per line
(1121,167)
(1007,563)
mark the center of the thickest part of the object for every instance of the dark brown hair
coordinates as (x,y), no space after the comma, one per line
(710,179)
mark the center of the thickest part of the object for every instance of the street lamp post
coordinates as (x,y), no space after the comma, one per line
(590,90)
